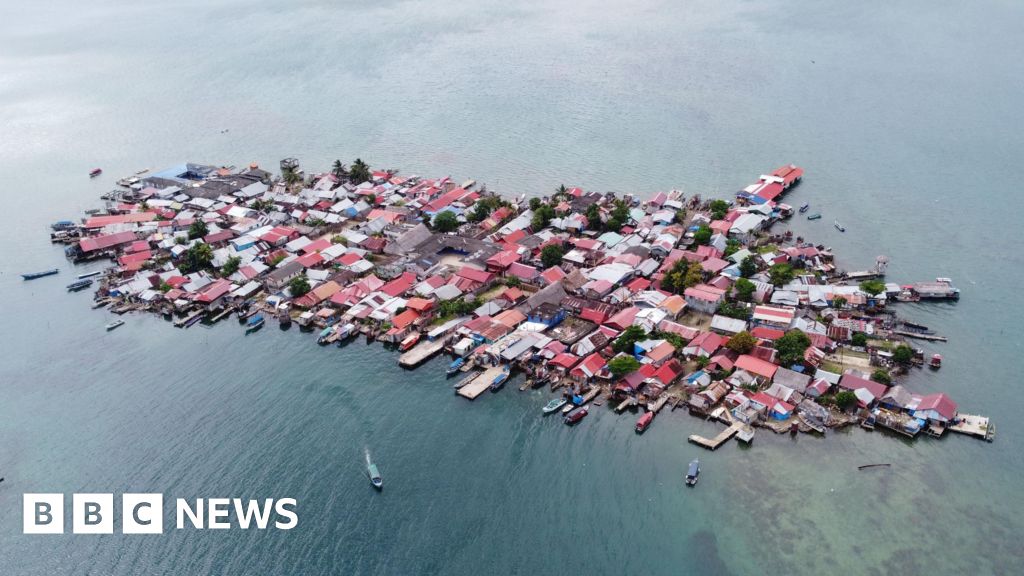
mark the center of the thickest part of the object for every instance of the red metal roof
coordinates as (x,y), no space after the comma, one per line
(756,366)
(108,241)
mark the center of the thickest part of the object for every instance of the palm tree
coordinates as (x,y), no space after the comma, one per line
(360,171)
(562,190)
(339,169)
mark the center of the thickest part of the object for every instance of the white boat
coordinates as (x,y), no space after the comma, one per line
(554,405)
(114,324)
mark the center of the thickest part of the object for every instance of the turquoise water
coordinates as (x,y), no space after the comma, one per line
(906,118)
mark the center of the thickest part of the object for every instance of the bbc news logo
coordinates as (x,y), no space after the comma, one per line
(144,513)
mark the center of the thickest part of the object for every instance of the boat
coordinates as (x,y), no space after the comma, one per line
(839,226)
(936,361)
(114,324)
(255,323)
(693,472)
(95,172)
(79,285)
(804,207)
(575,416)
(374,474)
(284,318)
(814,216)
(34,275)
(575,401)
(345,332)
(409,341)
(62,225)
(472,376)
(644,421)
(500,380)
(90,274)
(322,339)
(554,405)
(453,368)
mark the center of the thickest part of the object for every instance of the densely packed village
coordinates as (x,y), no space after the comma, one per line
(606,300)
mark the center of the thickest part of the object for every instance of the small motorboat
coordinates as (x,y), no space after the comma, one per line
(936,361)
(644,421)
(89,274)
(465,381)
(79,285)
(554,405)
(804,207)
(839,226)
(499,380)
(114,324)
(375,477)
(693,472)
(454,367)
(255,323)
(814,216)
(95,172)
(323,338)
(62,225)
(575,416)
(409,341)
(34,275)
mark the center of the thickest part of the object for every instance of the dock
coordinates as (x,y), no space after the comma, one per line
(658,404)
(977,426)
(714,443)
(420,353)
(480,383)
(189,320)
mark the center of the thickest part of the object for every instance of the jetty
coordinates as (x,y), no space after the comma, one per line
(977,426)
(420,353)
(481,383)
(721,438)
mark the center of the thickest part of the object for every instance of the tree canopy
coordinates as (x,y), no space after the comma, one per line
(791,347)
(903,354)
(719,209)
(299,286)
(859,339)
(446,221)
(873,287)
(748,267)
(359,172)
(744,289)
(681,276)
(551,255)
(622,365)
(629,337)
(780,274)
(742,342)
(231,266)
(541,217)
(198,229)
(702,236)
(197,257)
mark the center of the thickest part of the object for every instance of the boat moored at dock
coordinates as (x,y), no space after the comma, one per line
(255,323)
(644,421)
(575,416)
(553,405)
(409,342)
(454,367)
(79,285)
(499,380)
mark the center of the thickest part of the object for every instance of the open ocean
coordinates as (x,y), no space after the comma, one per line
(906,116)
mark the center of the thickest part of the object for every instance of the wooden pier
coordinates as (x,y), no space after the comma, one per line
(480,383)
(977,426)
(420,353)
(717,441)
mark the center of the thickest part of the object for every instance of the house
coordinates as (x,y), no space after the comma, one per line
(936,408)
(867,391)
(705,399)
(592,366)
(791,379)
(548,314)
(704,344)
(726,325)
(756,366)
(704,298)
(773,317)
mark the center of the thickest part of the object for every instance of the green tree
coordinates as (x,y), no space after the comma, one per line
(680,216)
(881,376)
(535,203)
(846,399)
(719,209)
(291,177)
(231,266)
(197,257)
(732,246)
(903,354)
(622,365)
(791,347)
(744,289)
(593,214)
(299,286)
(338,169)
(748,267)
(551,255)
(742,342)
(694,275)
(198,229)
(838,302)
(541,217)
(780,274)
(446,221)
(702,236)
(734,310)
(359,172)
(561,190)
(629,337)
(339,239)
(859,339)
(618,217)
(872,287)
